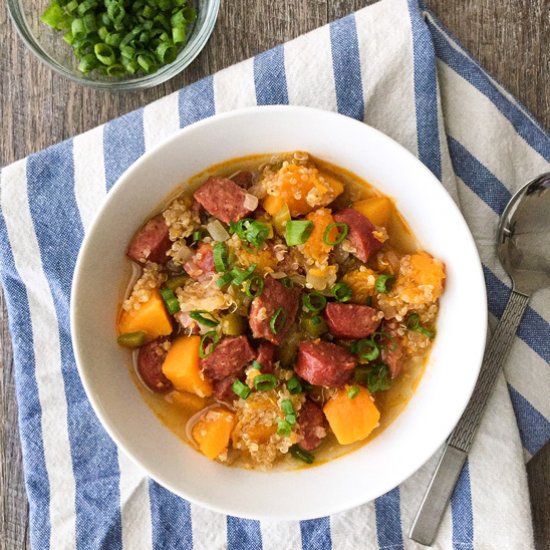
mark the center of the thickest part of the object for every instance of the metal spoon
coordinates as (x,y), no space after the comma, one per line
(523,246)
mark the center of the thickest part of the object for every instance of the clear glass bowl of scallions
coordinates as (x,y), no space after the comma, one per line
(115,44)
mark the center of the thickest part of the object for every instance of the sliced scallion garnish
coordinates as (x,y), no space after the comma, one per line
(297,231)
(301,454)
(242,390)
(265,382)
(172,304)
(342,292)
(277,321)
(342,228)
(208,343)
(220,257)
(314,301)
(204,317)
(384,283)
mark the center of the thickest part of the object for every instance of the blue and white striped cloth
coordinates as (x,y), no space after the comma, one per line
(391,65)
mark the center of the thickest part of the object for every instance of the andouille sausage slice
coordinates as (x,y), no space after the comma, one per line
(201,265)
(223,390)
(274,311)
(324,364)
(223,199)
(228,358)
(151,242)
(393,355)
(243,179)
(360,233)
(351,321)
(312,422)
(267,355)
(149,365)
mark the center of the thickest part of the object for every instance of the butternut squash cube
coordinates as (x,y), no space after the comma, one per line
(181,366)
(151,318)
(213,431)
(351,419)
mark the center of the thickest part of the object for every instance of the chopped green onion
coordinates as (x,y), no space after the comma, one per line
(286,282)
(291,419)
(197,236)
(366,349)
(379,378)
(225,279)
(256,365)
(254,286)
(275,324)
(265,382)
(283,428)
(301,454)
(220,257)
(55,17)
(297,231)
(104,53)
(172,304)
(413,323)
(132,339)
(384,283)
(287,407)
(211,337)
(166,52)
(353,392)
(204,317)
(343,229)
(239,276)
(176,282)
(251,231)
(242,390)
(314,301)
(137,32)
(294,386)
(342,292)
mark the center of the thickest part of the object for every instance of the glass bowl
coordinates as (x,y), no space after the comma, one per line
(48,45)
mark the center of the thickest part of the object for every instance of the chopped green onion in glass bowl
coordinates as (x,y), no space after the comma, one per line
(115,44)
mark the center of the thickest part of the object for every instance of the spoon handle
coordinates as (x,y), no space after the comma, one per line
(440,489)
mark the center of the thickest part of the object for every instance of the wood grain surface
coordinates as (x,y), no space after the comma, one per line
(38,108)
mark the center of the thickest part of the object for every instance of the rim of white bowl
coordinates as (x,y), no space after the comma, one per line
(321,510)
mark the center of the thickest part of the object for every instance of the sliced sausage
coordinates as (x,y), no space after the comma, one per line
(201,265)
(267,353)
(223,390)
(312,424)
(351,321)
(223,199)
(151,242)
(360,233)
(324,364)
(228,358)
(243,179)
(393,355)
(274,296)
(149,365)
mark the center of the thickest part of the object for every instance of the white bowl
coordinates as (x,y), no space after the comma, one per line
(349,480)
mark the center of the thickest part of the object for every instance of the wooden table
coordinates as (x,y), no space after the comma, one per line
(510,38)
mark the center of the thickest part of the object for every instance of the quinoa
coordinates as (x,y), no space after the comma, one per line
(180,219)
(151,278)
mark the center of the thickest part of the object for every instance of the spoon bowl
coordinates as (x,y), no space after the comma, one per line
(524,236)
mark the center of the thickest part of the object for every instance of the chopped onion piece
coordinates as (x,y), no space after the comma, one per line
(217,231)
(250,202)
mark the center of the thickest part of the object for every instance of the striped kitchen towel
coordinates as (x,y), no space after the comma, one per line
(391,65)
